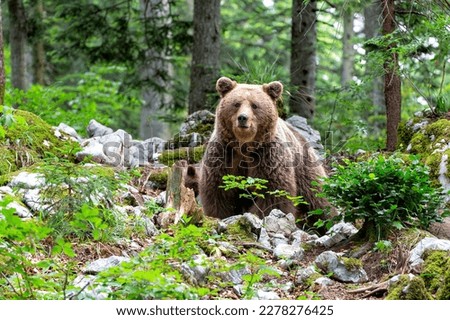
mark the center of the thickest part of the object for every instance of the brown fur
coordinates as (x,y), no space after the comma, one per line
(250,140)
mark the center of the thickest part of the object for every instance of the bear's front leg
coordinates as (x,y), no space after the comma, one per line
(278,179)
(216,202)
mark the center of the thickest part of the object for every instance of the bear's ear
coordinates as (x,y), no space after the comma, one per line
(225,85)
(273,89)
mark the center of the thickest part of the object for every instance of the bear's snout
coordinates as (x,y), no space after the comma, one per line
(243,120)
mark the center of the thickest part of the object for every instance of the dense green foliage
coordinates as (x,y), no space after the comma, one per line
(386,193)
(78,98)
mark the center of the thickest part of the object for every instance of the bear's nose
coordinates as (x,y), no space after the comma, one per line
(242,119)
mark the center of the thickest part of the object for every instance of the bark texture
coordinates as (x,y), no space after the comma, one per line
(39,60)
(303,58)
(205,54)
(18,42)
(392,81)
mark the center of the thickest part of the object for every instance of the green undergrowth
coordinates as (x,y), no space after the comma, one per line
(161,270)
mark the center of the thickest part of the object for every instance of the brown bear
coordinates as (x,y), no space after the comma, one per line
(250,140)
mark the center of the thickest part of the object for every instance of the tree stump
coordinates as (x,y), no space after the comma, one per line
(180,197)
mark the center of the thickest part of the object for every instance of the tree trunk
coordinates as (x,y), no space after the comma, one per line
(372,29)
(38,46)
(18,42)
(205,54)
(2,61)
(348,52)
(392,82)
(155,73)
(303,58)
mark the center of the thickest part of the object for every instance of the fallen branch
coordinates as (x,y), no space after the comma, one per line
(376,288)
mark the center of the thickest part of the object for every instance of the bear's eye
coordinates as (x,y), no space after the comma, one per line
(254,106)
(237,104)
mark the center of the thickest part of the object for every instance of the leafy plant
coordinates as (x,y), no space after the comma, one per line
(26,272)
(386,193)
(384,246)
(254,188)
(258,269)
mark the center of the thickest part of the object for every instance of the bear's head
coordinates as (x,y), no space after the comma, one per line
(247,113)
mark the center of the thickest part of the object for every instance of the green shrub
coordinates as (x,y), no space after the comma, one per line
(27,271)
(386,193)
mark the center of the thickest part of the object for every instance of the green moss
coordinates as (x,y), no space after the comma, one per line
(436,274)
(210,223)
(7,160)
(425,142)
(433,161)
(406,289)
(309,282)
(444,291)
(27,140)
(440,128)
(192,155)
(160,177)
(420,144)
(405,134)
(34,133)
(409,237)
(203,128)
(240,231)
(101,171)
(352,264)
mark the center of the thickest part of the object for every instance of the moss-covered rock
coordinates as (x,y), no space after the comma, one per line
(159,177)
(192,139)
(408,289)
(240,230)
(26,139)
(429,138)
(7,160)
(191,155)
(352,264)
(436,274)
(405,134)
